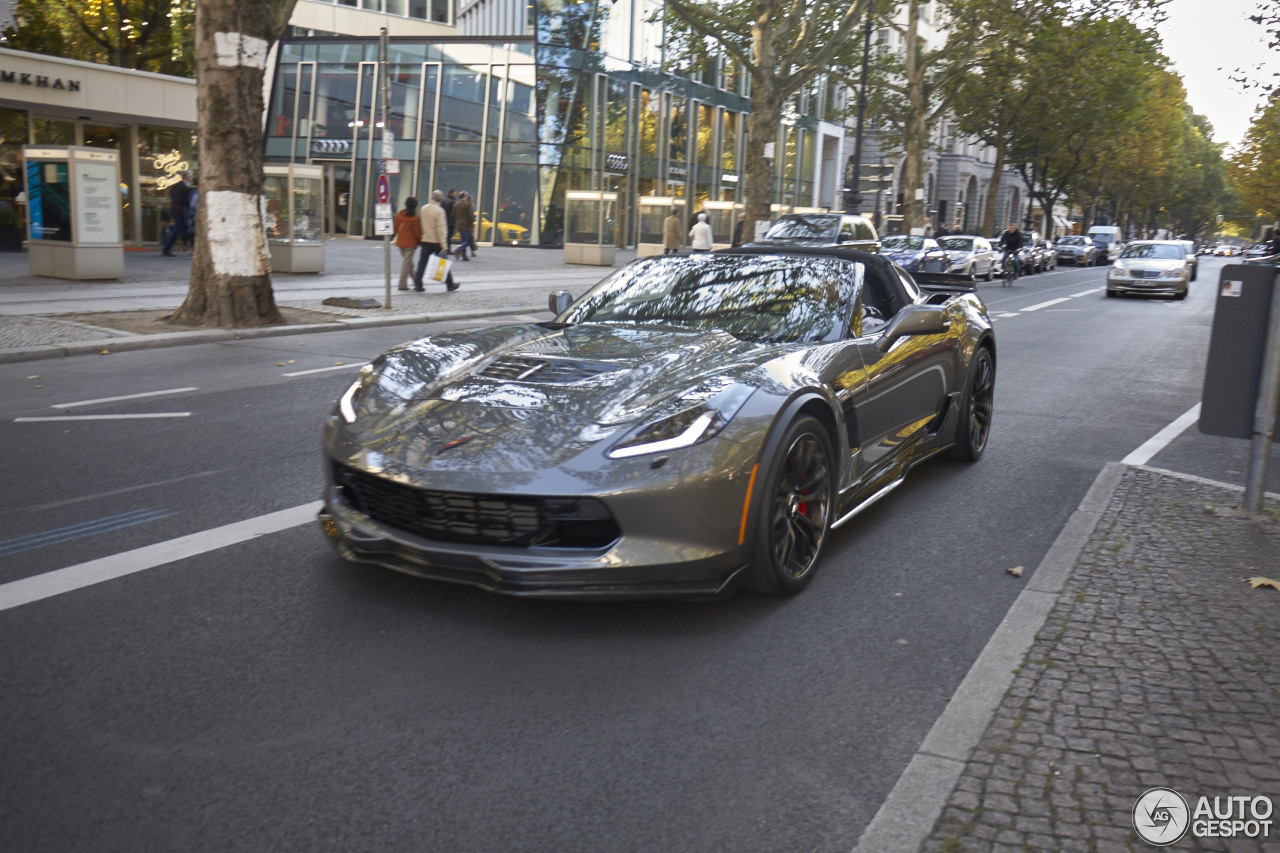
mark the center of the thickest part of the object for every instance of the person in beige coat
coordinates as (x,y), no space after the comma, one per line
(435,235)
(671,234)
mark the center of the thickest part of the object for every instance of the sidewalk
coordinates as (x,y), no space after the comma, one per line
(1136,657)
(34,310)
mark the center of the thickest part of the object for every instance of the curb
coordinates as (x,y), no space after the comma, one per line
(908,814)
(104,346)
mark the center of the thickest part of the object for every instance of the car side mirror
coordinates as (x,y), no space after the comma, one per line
(560,301)
(914,320)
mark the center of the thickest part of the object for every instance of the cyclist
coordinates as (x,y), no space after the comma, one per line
(1011,241)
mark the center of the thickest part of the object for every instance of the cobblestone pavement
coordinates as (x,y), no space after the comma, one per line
(1159,666)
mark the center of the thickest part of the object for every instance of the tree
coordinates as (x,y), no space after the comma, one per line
(144,35)
(1255,170)
(230,280)
(780,44)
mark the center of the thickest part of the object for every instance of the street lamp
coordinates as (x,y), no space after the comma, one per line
(853,192)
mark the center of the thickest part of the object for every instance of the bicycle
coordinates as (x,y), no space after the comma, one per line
(1009,269)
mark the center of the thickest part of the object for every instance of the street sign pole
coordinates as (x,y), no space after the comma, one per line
(386,129)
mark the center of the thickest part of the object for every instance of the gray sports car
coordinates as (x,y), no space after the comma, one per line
(690,426)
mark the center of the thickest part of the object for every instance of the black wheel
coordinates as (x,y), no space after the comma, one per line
(1111,294)
(795,510)
(974,426)
(991,272)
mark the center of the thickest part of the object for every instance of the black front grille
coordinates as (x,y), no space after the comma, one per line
(517,522)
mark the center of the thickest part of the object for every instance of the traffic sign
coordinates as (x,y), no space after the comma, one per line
(384,189)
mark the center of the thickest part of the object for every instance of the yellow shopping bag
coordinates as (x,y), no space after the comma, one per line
(438,268)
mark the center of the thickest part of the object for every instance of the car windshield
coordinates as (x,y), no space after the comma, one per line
(1156,251)
(1102,239)
(752,297)
(1073,241)
(804,228)
(898,242)
(958,244)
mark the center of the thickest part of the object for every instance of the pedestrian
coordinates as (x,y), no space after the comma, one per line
(700,236)
(671,234)
(179,196)
(193,204)
(464,216)
(408,236)
(737,230)
(450,199)
(434,237)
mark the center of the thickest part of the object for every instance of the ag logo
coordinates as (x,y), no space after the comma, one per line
(1161,817)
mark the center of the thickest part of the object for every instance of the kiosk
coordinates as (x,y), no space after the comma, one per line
(652,212)
(293,200)
(591,227)
(73,212)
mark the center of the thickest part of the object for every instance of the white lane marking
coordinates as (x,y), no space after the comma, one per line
(1086,292)
(1006,315)
(138,416)
(1031,308)
(118,399)
(1163,438)
(322,369)
(39,587)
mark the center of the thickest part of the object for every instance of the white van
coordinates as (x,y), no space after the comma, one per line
(1107,238)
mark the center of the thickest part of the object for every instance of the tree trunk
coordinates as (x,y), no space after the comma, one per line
(916,130)
(230,277)
(989,224)
(762,124)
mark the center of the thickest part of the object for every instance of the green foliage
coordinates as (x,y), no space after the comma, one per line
(144,35)
(1255,171)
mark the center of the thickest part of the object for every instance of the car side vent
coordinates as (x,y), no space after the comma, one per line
(554,371)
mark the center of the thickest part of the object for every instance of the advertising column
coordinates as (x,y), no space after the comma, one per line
(73,203)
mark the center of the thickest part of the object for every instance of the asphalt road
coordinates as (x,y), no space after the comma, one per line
(262,695)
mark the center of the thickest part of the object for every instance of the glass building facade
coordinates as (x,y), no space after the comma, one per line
(577,104)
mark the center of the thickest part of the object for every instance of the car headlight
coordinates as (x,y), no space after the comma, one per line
(685,428)
(365,395)
(1171,273)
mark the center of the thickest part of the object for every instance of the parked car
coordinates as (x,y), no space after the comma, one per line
(822,229)
(970,255)
(1152,267)
(1076,249)
(1046,255)
(1190,248)
(691,425)
(916,254)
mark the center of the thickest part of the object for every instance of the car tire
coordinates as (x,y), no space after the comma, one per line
(1194,273)
(794,510)
(973,427)
(1111,294)
(991,272)
(1180,296)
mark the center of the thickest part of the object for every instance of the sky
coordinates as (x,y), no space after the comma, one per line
(1207,40)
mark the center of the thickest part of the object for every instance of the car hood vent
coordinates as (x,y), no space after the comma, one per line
(514,368)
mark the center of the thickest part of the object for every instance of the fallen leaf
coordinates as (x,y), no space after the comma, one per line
(1257,582)
(337,364)
(1016,571)
(279,364)
(33,377)
(291,361)
(106,352)
(38,386)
